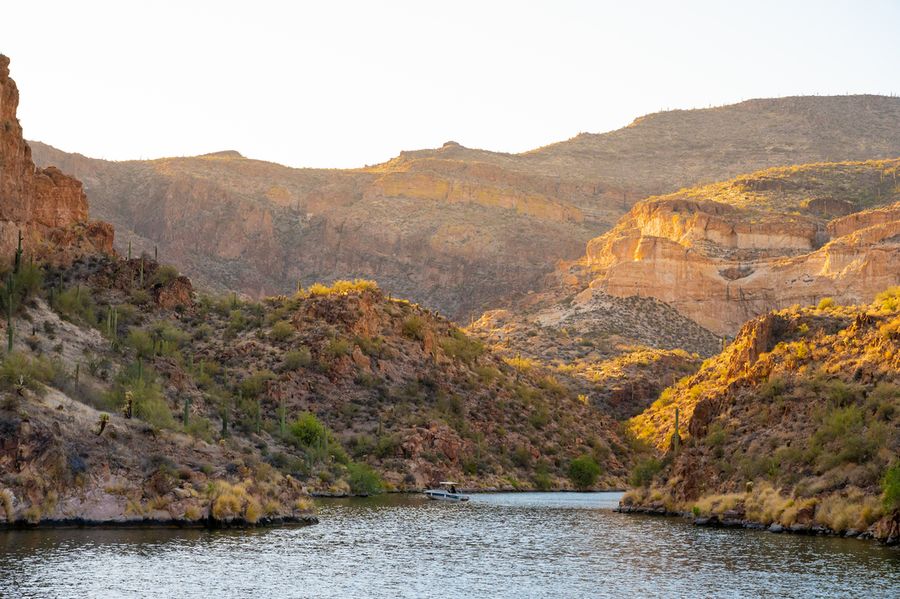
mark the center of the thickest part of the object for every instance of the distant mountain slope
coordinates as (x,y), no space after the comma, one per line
(457,229)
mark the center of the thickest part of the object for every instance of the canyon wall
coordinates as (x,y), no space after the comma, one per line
(721,256)
(49,208)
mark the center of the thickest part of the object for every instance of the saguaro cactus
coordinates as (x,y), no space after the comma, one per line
(185,418)
(676,437)
(9,313)
(18,263)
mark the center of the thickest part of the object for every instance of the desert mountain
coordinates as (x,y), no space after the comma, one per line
(457,229)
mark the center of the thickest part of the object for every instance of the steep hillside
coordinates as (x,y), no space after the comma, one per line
(795,425)
(620,353)
(456,229)
(723,253)
(334,390)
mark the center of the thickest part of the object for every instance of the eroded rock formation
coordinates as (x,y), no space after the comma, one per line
(727,252)
(47,206)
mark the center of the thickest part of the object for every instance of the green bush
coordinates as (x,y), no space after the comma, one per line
(338,347)
(255,384)
(309,430)
(458,346)
(148,402)
(27,284)
(75,305)
(826,303)
(541,478)
(363,480)
(165,274)
(890,486)
(643,473)
(298,358)
(282,331)
(584,471)
(414,327)
(18,369)
(889,299)
(141,342)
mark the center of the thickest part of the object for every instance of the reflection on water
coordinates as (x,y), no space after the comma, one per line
(497,545)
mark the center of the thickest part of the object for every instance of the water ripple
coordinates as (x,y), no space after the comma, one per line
(498,545)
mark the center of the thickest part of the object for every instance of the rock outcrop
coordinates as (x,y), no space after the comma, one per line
(458,229)
(724,253)
(49,208)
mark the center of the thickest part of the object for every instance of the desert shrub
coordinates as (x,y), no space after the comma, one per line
(337,347)
(487,374)
(552,386)
(297,358)
(644,471)
(148,402)
(139,297)
(282,331)
(826,303)
(414,327)
(541,478)
(200,428)
(521,457)
(889,299)
(363,480)
(584,471)
(844,437)
(458,346)
(26,284)
(842,394)
(773,387)
(539,417)
(890,487)
(19,370)
(75,305)
(141,342)
(522,364)
(343,286)
(255,384)
(715,435)
(308,430)
(165,274)
(371,346)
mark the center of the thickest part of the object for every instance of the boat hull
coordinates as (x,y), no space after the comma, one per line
(439,495)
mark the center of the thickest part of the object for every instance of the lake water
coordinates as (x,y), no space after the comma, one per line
(543,545)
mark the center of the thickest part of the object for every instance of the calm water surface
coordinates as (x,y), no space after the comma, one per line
(498,545)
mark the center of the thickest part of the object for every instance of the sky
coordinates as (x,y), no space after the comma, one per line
(345,84)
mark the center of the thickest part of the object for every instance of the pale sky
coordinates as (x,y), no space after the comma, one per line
(343,84)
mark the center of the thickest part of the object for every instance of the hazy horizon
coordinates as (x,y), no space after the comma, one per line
(320,87)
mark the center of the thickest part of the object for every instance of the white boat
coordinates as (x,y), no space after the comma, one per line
(446,493)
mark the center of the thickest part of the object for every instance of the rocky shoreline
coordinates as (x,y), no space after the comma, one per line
(886,531)
(204,523)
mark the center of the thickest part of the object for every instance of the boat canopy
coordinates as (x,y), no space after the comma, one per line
(446,482)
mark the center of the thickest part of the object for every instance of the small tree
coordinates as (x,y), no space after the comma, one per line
(584,471)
